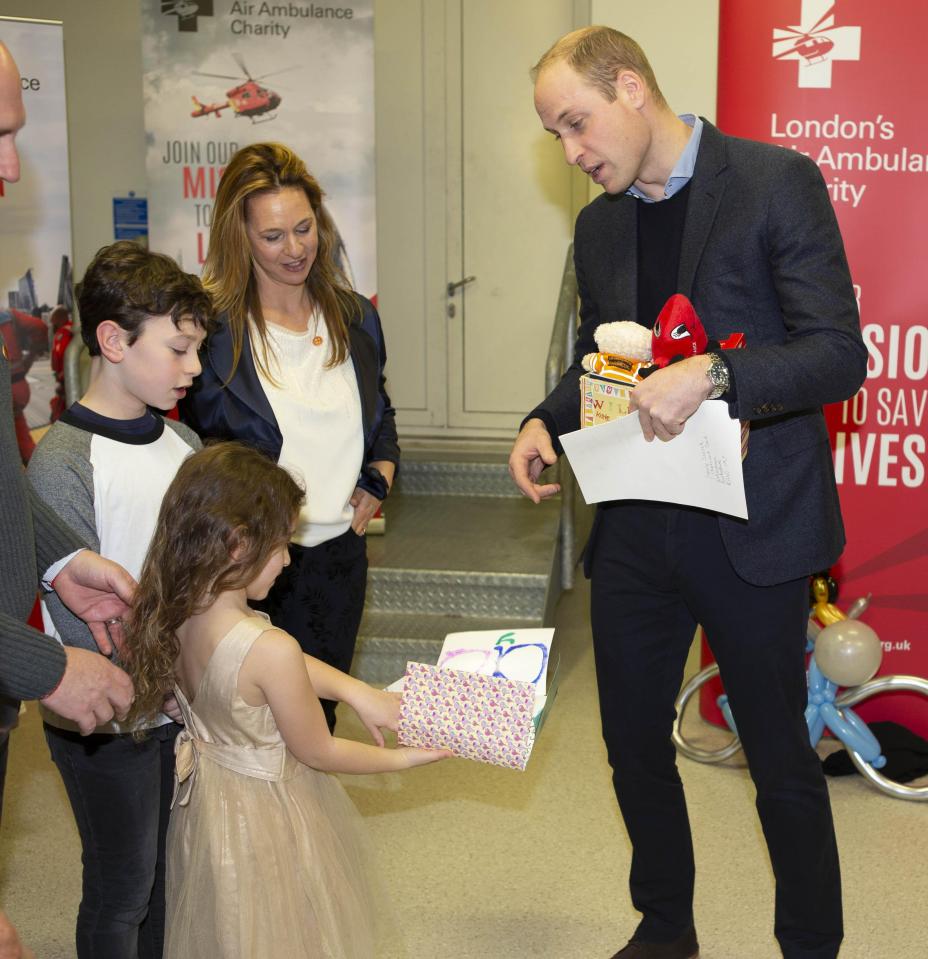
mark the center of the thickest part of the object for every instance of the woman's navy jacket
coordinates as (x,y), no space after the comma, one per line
(240,410)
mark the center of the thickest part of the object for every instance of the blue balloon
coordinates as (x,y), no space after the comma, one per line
(822,713)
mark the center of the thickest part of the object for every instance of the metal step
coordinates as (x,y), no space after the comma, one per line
(477,533)
(430,478)
(457,592)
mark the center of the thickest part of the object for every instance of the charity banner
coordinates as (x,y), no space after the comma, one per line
(35,217)
(221,74)
(843,82)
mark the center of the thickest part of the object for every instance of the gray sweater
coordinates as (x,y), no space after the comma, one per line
(32,538)
(106,482)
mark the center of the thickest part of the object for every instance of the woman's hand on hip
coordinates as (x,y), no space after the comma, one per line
(365,505)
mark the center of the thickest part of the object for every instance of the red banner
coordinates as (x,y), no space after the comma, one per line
(844,82)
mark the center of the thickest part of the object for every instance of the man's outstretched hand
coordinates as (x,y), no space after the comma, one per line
(531,453)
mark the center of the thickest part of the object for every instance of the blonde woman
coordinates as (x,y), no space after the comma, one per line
(296,369)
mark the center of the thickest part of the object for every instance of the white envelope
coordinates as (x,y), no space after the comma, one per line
(699,467)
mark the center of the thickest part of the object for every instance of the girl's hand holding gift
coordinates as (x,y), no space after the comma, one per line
(377,709)
(416,756)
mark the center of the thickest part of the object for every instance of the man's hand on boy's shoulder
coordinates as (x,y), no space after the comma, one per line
(100,592)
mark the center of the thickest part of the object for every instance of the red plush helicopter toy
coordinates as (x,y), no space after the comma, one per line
(678,333)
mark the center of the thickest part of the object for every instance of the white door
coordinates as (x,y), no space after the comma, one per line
(469,185)
(509,204)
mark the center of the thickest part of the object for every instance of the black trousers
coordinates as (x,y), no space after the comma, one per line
(120,792)
(656,572)
(319,599)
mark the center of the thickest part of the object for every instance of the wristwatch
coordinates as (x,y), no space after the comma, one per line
(719,376)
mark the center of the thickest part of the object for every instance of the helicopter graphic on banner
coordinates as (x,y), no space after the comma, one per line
(249,98)
(187,12)
(816,46)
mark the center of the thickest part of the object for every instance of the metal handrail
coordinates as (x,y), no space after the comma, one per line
(560,356)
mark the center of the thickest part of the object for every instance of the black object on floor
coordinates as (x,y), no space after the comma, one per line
(906,754)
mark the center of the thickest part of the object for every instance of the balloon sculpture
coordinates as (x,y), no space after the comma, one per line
(845,652)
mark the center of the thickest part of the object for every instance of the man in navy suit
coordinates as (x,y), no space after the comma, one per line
(747,231)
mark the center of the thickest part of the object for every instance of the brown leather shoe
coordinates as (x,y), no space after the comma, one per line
(685,947)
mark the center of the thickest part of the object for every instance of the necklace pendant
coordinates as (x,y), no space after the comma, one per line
(317,340)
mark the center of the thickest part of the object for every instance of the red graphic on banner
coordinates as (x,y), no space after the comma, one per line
(842,83)
(816,42)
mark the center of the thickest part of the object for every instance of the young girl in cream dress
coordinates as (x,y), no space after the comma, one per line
(265,857)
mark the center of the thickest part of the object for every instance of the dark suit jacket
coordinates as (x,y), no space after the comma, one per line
(241,410)
(761,253)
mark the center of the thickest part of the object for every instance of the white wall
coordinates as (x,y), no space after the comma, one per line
(104,77)
(681,39)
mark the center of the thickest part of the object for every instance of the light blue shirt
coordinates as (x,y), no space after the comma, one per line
(682,172)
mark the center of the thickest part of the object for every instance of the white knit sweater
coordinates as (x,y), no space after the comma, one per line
(318,411)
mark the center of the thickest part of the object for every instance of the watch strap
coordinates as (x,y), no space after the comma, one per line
(719,376)
(375,482)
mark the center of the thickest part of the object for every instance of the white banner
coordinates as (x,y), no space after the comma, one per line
(35,213)
(220,74)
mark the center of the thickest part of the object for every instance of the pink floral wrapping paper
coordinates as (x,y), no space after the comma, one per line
(486,718)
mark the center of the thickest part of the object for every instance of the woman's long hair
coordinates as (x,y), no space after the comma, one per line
(226,511)
(228,272)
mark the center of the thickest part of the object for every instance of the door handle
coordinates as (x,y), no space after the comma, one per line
(455,286)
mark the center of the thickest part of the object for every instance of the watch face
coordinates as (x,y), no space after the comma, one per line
(717,374)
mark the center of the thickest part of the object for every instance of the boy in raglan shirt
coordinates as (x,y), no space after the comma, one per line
(104,468)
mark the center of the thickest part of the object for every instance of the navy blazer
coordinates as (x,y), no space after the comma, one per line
(762,254)
(240,410)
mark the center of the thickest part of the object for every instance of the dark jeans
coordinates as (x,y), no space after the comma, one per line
(319,599)
(658,571)
(120,791)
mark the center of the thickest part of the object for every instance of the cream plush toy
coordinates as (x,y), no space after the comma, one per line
(624,351)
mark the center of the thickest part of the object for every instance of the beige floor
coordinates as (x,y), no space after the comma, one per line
(484,863)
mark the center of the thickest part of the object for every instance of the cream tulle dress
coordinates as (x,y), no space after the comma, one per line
(264,854)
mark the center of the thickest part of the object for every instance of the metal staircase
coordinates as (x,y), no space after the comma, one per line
(463,550)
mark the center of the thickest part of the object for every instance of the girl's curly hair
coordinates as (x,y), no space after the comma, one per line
(226,511)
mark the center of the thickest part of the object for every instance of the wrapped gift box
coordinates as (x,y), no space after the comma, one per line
(485,700)
(602,400)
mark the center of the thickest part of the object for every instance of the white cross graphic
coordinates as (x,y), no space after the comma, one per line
(816,43)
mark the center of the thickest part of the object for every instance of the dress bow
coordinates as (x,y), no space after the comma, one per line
(262,762)
(186,758)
